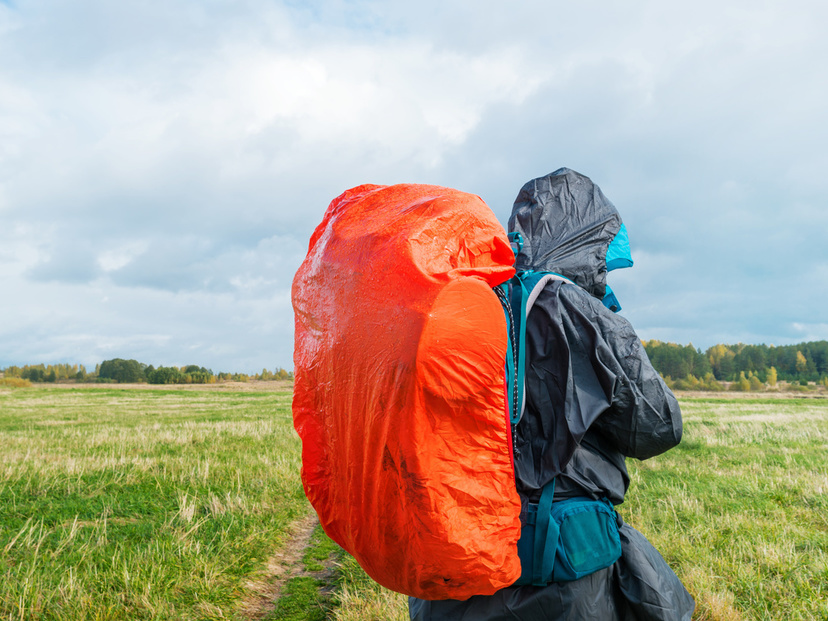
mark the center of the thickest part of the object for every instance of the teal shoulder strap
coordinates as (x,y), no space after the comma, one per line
(518,296)
(523,289)
(547,532)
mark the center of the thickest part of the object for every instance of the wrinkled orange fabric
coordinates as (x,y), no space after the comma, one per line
(399,396)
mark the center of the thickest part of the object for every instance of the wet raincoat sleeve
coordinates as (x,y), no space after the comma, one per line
(644,418)
(588,375)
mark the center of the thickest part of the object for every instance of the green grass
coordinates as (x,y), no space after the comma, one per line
(307,596)
(740,508)
(358,598)
(168,504)
(139,504)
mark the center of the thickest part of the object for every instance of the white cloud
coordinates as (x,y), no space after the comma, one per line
(176,156)
(117,258)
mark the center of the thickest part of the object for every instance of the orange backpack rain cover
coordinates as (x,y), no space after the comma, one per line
(400,397)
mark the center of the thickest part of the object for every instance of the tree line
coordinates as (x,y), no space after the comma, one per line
(743,367)
(119,370)
(747,367)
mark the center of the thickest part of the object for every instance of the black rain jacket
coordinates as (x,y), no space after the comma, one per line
(593,399)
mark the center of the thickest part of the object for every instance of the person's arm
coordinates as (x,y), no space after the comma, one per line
(644,418)
(587,371)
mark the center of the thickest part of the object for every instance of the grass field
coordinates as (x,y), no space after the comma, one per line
(131,503)
(139,504)
(740,508)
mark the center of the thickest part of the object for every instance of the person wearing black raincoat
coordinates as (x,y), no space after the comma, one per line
(592,399)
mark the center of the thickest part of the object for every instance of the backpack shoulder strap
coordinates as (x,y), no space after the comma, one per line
(518,296)
(525,288)
(534,282)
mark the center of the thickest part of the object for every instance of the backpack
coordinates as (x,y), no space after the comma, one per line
(409,365)
(400,389)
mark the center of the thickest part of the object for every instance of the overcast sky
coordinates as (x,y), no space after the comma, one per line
(163,164)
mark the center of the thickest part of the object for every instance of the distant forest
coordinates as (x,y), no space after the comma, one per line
(747,367)
(684,367)
(119,370)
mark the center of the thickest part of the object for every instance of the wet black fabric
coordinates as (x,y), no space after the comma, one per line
(589,384)
(592,400)
(567,224)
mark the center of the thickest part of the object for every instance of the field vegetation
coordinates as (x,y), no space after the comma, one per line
(739,508)
(139,503)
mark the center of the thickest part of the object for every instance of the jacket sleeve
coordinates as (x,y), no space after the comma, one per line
(644,418)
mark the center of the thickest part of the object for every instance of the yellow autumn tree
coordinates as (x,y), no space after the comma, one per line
(801,362)
(741,384)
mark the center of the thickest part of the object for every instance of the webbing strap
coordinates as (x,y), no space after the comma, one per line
(546,538)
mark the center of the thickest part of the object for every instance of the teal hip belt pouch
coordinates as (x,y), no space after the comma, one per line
(567,540)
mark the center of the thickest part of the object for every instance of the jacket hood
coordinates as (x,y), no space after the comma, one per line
(569,227)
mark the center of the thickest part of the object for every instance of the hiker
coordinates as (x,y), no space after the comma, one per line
(592,399)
